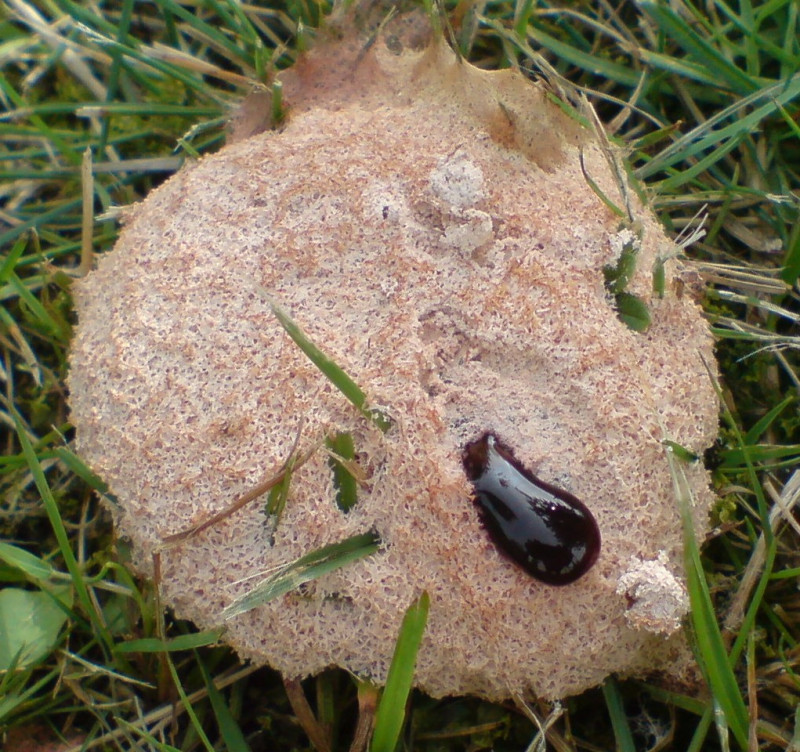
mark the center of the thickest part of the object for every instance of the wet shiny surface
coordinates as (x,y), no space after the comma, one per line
(547,531)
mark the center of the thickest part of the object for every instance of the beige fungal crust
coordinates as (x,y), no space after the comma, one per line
(430,228)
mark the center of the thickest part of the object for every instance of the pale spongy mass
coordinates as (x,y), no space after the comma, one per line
(430,228)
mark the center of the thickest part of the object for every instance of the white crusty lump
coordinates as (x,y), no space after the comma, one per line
(657,599)
(430,228)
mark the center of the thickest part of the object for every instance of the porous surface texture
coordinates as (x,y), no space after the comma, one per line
(429,226)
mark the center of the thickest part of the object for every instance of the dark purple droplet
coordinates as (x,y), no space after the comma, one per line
(547,531)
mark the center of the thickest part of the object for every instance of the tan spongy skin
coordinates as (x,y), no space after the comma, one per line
(430,228)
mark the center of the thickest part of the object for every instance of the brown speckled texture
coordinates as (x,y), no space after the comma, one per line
(428,225)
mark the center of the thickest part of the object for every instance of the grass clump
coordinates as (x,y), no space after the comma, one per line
(704,99)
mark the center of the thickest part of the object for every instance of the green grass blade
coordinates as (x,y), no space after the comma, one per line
(309,567)
(618,277)
(710,648)
(755,484)
(678,67)
(187,705)
(632,311)
(51,507)
(785,574)
(603,67)
(679,179)
(745,115)
(761,426)
(330,369)
(26,351)
(681,452)
(598,191)
(183,642)
(756,600)
(10,261)
(40,220)
(703,52)
(619,721)
(82,470)
(698,739)
(343,480)
(668,697)
(712,656)
(229,729)
(279,493)
(54,327)
(392,708)
(64,148)
(11,697)
(136,731)
(30,564)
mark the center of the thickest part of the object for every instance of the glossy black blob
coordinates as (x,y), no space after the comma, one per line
(547,531)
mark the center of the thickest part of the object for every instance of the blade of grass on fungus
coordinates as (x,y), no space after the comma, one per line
(332,371)
(309,567)
(277,109)
(346,485)
(681,452)
(598,191)
(230,731)
(619,720)
(710,648)
(632,311)
(391,711)
(279,494)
